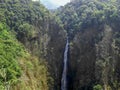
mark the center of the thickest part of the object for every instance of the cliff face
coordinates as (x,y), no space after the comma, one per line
(93,59)
(94,53)
(82,59)
(49,44)
(51,47)
(42,36)
(92,26)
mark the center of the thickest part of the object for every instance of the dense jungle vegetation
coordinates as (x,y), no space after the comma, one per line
(19,69)
(33,38)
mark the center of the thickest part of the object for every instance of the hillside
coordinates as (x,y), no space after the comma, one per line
(81,14)
(93,27)
(34,33)
(75,47)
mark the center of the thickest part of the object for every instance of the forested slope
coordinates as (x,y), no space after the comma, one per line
(29,41)
(32,42)
(81,14)
(93,28)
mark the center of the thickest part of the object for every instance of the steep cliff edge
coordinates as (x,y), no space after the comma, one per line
(32,43)
(42,35)
(94,56)
(93,27)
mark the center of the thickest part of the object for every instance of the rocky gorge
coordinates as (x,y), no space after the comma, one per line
(92,27)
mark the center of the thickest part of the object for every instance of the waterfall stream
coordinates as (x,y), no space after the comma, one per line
(64,74)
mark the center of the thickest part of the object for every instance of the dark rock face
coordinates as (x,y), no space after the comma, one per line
(49,44)
(55,51)
(82,59)
(104,60)
(93,59)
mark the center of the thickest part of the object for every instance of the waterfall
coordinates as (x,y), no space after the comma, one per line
(64,74)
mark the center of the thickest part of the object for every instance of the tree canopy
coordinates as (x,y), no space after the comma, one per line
(83,13)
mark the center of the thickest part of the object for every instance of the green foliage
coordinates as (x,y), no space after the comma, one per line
(22,20)
(116,44)
(26,31)
(12,67)
(22,16)
(36,73)
(10,50)
(97,87)
(80,14)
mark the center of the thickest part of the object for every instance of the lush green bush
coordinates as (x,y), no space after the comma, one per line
(25,31)
(10,51)
(36,74)
(97,87)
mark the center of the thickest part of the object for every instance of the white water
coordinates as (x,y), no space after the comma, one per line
(64,74)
